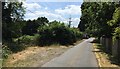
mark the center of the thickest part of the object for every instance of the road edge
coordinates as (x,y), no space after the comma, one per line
(97,56)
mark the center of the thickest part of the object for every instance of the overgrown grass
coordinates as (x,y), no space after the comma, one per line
(37,59)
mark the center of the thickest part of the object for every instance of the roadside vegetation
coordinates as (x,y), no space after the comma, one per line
(19,34)
(98,19)
(104,59)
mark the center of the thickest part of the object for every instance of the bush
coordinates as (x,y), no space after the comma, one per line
(5,52)
(22,42)
(116,34)
(27,40)
(77,33)
(57,32)
(15,47)
(46,35)
(19,44)
(64,35)
(35,40)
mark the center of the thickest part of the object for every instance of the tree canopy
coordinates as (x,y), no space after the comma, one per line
(97,18)
(12,16)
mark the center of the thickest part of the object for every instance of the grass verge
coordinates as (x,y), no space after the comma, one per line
(36,56)
(102,57)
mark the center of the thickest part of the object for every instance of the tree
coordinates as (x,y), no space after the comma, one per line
(95,16)
(31,27)
(42,21)
(57,32)
(115,22)
(12,14)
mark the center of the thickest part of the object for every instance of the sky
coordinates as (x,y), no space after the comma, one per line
(60,11)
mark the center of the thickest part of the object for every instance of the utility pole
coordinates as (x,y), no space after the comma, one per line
(69,21)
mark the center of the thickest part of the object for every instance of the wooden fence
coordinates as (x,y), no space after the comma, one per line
(111,47)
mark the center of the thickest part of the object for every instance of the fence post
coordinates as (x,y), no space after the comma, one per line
(101,40)
(116,49)
(108,45)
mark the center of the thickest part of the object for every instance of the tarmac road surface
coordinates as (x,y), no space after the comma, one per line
(81,55)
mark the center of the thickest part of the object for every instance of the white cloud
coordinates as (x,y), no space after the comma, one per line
(75,22)
(69,9)
(58,14)
(46,8)
(34,10)
(49,15)
(31,6)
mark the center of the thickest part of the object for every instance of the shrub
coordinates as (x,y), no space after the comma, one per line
(27,39)
(46,35)
(15,47)
(63,35)
(35,40)
(57,32)
(5,52)
(116,34)
(77,33)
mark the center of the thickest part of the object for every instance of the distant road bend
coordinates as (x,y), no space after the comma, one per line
(79,56)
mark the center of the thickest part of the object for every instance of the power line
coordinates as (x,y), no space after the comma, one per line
(32,12)
(44,5)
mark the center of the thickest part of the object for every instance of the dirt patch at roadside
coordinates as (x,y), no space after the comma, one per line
(34,56)
(102,58)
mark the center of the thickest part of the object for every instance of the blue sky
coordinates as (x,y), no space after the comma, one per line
(60,11)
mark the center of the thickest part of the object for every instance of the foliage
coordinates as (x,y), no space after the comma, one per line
(77,33)
(5,52)
(57,32)
(12,23)
(117,32)
(42,21)
(12,15)
(31,26)
(27,40)
(19,34)
(115,24)
(116,18)
(13,47)
(95,16)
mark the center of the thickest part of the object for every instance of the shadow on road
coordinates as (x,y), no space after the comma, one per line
(96,51)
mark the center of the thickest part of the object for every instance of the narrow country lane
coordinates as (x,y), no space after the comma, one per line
(81,55)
